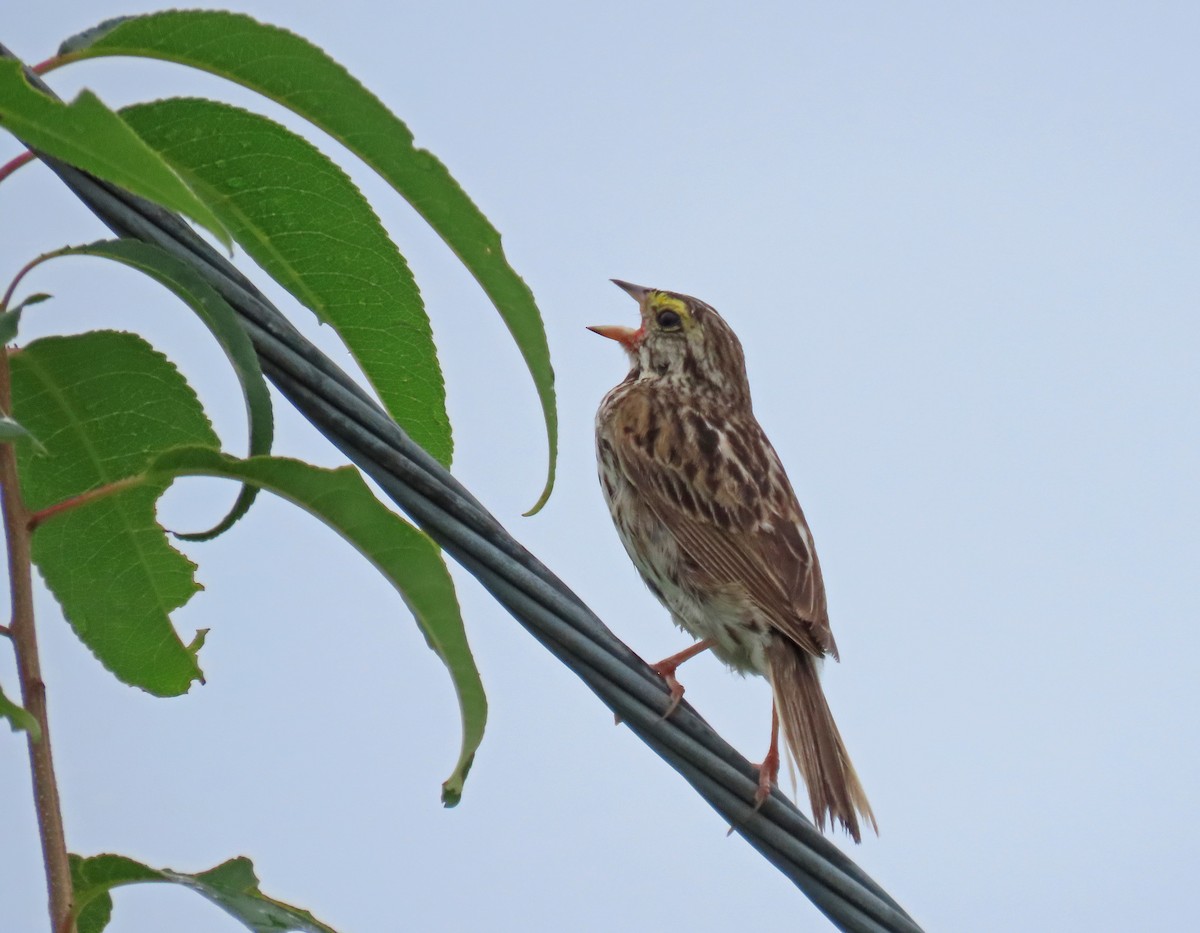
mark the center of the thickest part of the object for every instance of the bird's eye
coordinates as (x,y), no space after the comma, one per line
(668,320)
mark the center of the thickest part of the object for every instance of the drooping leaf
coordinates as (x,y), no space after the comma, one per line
(19,717)
(104,404)
(409,560)
(300,76)
(232,886)
(308,226)
(224,324)
(88,135)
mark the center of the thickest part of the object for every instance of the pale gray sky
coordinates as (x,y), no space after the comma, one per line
(959,244)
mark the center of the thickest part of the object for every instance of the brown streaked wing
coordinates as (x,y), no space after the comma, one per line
(717,521)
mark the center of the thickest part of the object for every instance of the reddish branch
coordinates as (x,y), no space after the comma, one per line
(34,519)
(13,164)
(29,673)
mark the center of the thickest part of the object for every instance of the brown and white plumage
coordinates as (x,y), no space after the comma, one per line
(707,514)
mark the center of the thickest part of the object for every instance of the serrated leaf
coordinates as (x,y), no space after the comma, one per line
(86,134)
(224,324)
(302,219)
(300,76)
(409,560)
(104,404)
(19,717)
(232,886)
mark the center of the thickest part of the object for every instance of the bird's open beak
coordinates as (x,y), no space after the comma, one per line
(625,336)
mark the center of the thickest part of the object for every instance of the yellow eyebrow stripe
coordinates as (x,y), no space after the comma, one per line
(661,301)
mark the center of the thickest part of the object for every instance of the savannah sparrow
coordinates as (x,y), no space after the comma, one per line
(706,512)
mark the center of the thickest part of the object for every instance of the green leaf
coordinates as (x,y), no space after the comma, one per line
(300,76)
(232,886)
(19,718)
(411,562)
(88,135)
(224,324)
(35,299)
(304,222)
(104,404)
(10,320)
(11,431)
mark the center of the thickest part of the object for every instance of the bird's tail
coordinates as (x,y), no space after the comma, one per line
(813,740)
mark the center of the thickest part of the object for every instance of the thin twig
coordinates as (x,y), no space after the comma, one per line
(15,163)
(29,673)
(35,519)
(24,271)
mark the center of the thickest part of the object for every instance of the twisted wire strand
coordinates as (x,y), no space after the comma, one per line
(341,410)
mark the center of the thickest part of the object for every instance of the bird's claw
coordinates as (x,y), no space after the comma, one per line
(768,774)
(667,673)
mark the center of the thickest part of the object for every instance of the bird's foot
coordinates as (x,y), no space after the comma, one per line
(666,670)
(768,775)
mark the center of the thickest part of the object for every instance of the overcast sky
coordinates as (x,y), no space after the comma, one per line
(960,248)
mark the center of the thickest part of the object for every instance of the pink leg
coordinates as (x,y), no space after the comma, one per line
(666,670)
(768,771)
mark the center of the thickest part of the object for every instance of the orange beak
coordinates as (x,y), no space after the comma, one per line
(625,336)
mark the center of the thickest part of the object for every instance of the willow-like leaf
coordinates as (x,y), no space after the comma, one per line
(409,560)
(225,326)
(300,218)
(232,886)
(85,133)
(295,73)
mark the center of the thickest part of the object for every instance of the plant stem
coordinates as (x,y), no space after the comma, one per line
(24,271)
(13,164)
(34,519)
(29,673)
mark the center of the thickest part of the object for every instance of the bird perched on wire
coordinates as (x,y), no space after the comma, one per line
(704,508)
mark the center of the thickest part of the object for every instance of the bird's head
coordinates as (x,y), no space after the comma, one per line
(681,340)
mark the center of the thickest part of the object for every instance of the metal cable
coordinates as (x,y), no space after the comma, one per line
(339,408)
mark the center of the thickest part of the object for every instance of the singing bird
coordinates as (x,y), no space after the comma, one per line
(706,512)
